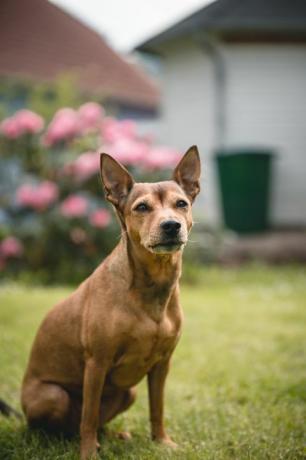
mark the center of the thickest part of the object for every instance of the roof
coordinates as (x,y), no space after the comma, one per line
(40,40)
(257,17)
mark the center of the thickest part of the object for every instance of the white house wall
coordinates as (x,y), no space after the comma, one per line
(266,106)
(187,113)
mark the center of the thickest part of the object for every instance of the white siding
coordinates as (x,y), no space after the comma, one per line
(187,113)
(266,105)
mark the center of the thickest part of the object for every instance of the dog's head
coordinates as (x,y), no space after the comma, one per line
(157,215)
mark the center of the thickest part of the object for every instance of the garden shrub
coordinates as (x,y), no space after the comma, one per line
(54,221)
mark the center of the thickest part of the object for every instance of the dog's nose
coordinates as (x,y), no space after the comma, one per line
(170,227)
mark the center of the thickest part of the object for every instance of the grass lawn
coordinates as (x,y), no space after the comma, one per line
(237,388)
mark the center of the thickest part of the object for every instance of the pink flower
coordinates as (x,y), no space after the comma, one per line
(84,166)
(63,127)
(11,247)
(25,195)
(10,128)
(23,122)
(161,158)
(90,116)
(74,206)
(37,197)
(100,218)
(127,151)
(48,193)
(29,121)
(113,130)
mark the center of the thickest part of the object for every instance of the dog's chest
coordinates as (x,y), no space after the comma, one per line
(148,342)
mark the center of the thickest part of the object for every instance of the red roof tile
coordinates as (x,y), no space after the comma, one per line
(39,40)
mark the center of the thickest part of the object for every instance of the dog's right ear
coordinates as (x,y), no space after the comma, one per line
(188,171)
(116,180)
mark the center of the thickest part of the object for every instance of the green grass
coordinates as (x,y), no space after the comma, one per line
(237,388)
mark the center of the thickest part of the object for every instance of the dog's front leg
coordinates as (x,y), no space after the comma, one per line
(94,377)
(156,386)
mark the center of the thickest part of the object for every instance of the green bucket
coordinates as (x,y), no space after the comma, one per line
(245,182)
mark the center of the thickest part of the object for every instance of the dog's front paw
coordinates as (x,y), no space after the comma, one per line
(89,451)
(166,441)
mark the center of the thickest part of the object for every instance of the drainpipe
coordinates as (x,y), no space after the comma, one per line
(210,46)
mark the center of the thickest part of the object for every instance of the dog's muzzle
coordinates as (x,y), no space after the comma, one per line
(170,238)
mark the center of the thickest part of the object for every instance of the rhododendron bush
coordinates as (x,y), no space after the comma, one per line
(54,220)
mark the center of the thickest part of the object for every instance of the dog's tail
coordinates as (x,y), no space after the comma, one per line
(7,410)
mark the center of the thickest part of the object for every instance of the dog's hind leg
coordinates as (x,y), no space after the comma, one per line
(48,406)
(113,404)
(116,402)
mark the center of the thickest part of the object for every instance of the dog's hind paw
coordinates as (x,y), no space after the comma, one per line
(124,435)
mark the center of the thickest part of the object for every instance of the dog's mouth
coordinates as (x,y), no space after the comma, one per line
(166,247)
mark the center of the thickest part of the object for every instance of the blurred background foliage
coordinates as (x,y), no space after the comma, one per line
(43,97)
(54,221)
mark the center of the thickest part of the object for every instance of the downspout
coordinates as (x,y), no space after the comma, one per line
(210,46)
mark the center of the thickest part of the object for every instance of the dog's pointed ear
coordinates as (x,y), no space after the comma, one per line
(116,180)
(188,171)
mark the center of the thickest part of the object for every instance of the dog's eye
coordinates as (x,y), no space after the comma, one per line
(181,204)
(142,207)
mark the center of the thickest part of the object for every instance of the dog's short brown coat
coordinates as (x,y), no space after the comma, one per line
(124,321)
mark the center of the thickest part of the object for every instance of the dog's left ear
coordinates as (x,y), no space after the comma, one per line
(116,180)
(188,171)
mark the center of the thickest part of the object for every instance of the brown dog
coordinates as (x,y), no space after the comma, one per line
(124,321)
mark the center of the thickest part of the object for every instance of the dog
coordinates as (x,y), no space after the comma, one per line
(124,321)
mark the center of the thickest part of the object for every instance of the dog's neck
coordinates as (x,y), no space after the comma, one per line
(153,277)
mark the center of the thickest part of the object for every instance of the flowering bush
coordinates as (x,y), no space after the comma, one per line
(37,197)
(54,220)
(21,123)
